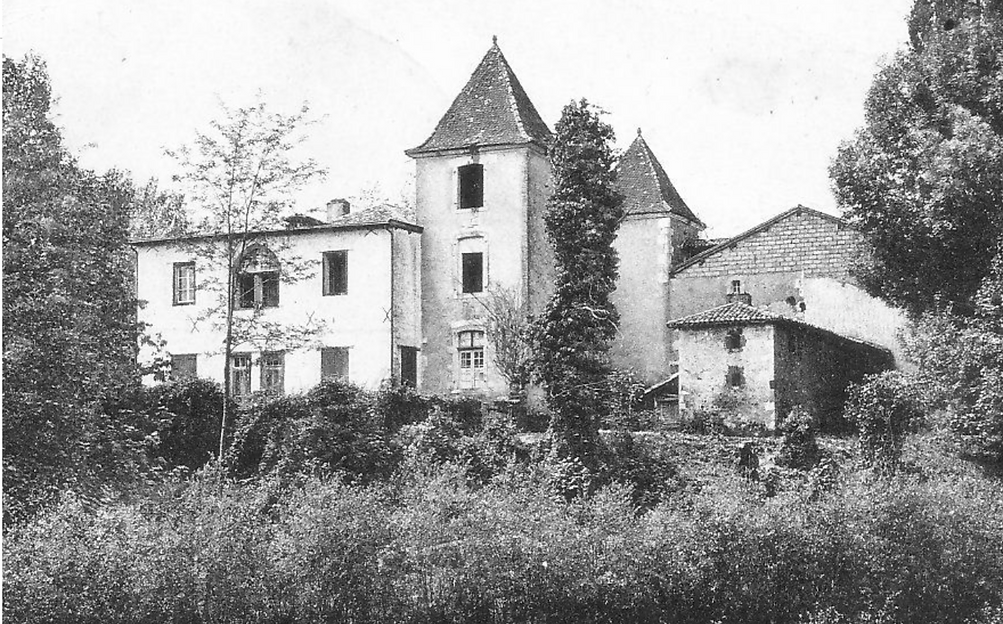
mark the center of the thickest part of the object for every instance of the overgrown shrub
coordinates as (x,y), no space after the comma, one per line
(397,405)
(884,408)
(330,428)
(647,469)
(799,448)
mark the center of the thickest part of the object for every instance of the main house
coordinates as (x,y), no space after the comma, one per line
(387,295)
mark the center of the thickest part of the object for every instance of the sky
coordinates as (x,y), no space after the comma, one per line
(744,102)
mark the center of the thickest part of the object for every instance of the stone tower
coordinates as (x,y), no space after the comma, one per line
(650,240)
(482,180)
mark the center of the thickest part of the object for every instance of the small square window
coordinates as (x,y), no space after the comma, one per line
(184,283)
(471,178)
(736,286)
(334,363)
(335,273)
(184,366)
(733,339)
(473,272)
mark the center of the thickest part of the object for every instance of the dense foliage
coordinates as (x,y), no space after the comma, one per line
(432,546)
(885,409)
(923,179)
(573,334)
(69,330)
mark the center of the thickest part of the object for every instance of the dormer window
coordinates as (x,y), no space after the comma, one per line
(736,287)
(471,180)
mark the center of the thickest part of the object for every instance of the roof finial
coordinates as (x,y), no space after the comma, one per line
(494,40)
(639,131)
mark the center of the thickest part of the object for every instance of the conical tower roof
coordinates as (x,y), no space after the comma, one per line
(492,109)
(645,186)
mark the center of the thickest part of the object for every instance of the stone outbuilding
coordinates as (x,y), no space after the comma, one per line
(753,366)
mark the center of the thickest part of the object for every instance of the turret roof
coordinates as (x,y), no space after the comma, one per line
(492,109)
(645,185)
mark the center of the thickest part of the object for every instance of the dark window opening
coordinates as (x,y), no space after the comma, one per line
(335,273)
(334,363)
(409,366)
(736,376)
(473,272)
(736,286)
(273,372)
(257,284)
(184,283)
(184,366)
(471,186)
(240,375)
(733,340)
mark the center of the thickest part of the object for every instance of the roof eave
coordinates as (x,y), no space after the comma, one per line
(327,227)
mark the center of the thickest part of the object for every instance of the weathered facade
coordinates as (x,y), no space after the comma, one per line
(796,264)
(751,366)
(482,180)
(651,239)
(352,285)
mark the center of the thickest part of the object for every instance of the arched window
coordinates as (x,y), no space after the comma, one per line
(257,282)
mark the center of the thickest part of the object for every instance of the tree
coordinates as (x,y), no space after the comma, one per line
(508,331)
(158,214)
(923,179)
(242,175)
(69,330)
(573,335)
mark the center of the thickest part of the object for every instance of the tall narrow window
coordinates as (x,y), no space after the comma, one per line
(409,366)
(736,376)
(471,355)
(473,272)
(335,273)
(240,374)
(334,363)
(257,283)
(184,283)
(184,366)
(471,178)
(733,339)
(736,286)
(273,372)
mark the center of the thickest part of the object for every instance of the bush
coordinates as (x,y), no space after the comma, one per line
(799,448)
(330,428)
(645,468)
(884,408)
(397,405)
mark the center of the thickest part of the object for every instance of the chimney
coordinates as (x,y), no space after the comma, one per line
(337,208)
(740,297)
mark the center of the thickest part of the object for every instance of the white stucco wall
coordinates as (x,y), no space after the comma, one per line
(358,320)
(512,177)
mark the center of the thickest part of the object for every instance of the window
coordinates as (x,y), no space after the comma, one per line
(471,186)
(733,339)
(409,366)
(240,374)
(184,283)
(736,286)
(335,273)
(334,363)
(473,272)
(184,366)
(258,280)
(736,376)
(471,351)
(273,372)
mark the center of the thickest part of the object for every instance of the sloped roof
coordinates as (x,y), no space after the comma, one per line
(492,109)
(735,313)
(386,215)
(765,225)
(645,186)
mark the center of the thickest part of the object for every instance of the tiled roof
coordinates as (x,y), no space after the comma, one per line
(765,225)
(377,215)
(735,313)
(492,109)
(645,185)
